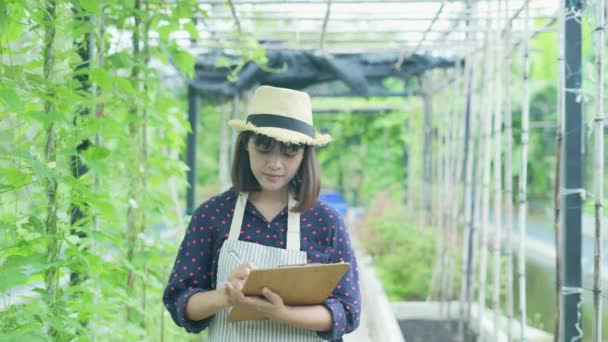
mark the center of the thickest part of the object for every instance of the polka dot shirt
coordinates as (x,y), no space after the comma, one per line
(323,236)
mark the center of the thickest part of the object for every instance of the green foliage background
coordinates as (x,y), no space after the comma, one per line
(132,196)
(136,129)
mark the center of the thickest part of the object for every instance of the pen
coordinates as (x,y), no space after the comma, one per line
(235,256)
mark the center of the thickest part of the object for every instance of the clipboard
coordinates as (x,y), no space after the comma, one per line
(303,284)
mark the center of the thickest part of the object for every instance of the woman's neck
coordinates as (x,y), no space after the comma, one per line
(269,196)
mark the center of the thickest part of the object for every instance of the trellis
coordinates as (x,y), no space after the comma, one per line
(478,139)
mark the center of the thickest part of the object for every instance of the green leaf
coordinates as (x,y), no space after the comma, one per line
(224,62)
(45,118)
(91,6)
(184,61)
(11,19)
(3,16)
(119,60)
(10,278)
(98,152)
(9,97)
(190,28)
(95,155)
(164,32)
(182,10)
(100,77)
(14,72)
(36,224)
(16,268)
(124,86)
(41,170)
(14,177)
(15,336)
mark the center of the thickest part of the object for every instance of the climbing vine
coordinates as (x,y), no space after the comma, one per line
(90,168)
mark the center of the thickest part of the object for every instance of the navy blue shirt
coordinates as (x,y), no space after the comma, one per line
(323,236)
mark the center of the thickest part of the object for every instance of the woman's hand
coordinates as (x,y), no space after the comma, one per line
(237,278)
(270,304)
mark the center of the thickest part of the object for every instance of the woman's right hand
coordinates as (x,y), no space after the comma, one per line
(237,278)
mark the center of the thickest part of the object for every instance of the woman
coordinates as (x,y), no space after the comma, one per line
(250,225)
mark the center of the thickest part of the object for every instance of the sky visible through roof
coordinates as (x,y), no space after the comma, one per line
(358,26)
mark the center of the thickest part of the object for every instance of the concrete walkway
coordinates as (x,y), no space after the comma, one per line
(361,334)
(378,322)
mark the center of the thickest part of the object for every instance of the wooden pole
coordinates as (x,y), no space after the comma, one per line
(468,245)
(497,133)
(407,164)
(508,179)
(453,179)
(431,183)
(487,116)
(477,209)
(598,166)
(443,188)
(411,184)
(523,177)
(558,331)
(427,148)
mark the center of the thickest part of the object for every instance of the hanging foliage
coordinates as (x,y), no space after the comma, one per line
(135,130)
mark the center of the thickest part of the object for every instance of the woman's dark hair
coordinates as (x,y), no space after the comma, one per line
(306,184)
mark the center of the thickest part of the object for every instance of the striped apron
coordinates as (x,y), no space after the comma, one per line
(220,330)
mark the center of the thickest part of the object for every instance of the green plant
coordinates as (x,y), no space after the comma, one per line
(402,251)
(89,169)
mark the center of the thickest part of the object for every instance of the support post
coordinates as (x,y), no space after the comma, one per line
(573,173)
(427,98)
(235,115)
(191,148)
(406,167)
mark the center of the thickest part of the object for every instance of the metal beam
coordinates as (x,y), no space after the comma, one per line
(362,111)
(324,27)
(270,40)
(308,17)
(429,28)
(319,7)
(455,46)
(303,2)
(235,17)
(347,49)
(333,31)
(573,189)
(316,94)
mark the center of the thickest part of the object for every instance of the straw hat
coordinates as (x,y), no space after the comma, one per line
(282,114)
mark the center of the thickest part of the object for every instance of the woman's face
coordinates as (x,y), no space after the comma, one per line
(273,164)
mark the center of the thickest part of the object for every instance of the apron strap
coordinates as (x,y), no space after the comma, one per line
(293,221)
(293,226)
(237,218)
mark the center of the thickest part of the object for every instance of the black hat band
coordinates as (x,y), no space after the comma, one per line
(278,121)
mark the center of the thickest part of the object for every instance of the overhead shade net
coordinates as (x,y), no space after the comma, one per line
(301,69)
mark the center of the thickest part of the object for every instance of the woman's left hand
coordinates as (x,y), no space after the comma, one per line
(270,305)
